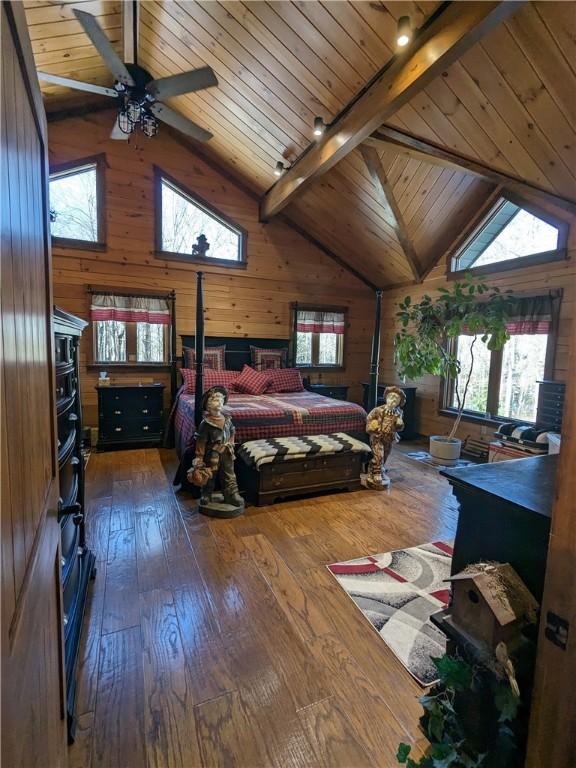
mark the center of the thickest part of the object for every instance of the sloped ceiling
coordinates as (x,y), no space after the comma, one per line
(509,102)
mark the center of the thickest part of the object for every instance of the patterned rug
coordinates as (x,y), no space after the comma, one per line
(426,458)
(397,592)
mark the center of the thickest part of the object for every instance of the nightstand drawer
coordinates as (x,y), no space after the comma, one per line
(121,430)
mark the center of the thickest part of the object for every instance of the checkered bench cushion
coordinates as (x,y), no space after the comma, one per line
(280,449)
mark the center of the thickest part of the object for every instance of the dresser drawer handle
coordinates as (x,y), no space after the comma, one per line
(144,410)
(146,428)
(62,561)
(117,413)
(117,429)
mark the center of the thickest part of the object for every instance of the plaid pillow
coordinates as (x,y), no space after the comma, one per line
(268,359)
(214,358)
(211,379)
(286,380)
(252,382)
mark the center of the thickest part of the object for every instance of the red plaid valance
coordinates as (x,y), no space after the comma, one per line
(130,309)
(319,322)
(530,315)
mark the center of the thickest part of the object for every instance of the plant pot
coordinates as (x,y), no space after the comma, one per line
(445,450)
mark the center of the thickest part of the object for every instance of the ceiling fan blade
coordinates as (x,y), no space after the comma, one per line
(185,82)
(118,133)
(77,84)
(178,121)
(104,47)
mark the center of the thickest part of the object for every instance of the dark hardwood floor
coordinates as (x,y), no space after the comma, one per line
(217,643)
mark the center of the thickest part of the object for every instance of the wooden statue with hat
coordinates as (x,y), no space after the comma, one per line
(214,458)
(382,425)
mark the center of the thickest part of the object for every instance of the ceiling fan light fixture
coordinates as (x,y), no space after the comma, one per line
(124,123)
(404,33)
(134,110)
(148,125)
(319,126)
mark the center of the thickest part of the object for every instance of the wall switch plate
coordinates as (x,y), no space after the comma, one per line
(557,630)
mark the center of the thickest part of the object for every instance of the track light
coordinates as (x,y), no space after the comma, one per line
(279,170)
(404,34)
(319,126)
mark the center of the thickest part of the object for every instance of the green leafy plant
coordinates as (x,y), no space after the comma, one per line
(468,719)
(422,343)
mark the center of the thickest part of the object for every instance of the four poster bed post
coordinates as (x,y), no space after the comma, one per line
(375,361)
(199,349)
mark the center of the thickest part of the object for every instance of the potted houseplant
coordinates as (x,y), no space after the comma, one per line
(422,345)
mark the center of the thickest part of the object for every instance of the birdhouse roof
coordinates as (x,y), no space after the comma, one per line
(503,590)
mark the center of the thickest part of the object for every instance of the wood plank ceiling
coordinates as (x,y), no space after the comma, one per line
(509,102)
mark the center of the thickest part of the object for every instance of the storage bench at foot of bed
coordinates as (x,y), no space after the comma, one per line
(283,477)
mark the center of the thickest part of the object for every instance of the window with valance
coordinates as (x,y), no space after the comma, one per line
(319,337)
(130,328)
(504,383)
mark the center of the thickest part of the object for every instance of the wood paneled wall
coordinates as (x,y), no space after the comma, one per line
(282,265)
(529,281)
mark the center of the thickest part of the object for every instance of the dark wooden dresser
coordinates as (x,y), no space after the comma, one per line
(77,561)
(505,512)
(130,415)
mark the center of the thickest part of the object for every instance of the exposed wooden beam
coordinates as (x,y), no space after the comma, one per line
(386,193)
(429,152)
(441,42)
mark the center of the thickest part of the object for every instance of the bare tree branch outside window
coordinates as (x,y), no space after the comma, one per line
(74,205)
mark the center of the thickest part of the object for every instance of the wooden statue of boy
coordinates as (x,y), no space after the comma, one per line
(382,424)
(201,246)
(215,458)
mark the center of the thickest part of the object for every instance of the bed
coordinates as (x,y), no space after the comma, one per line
(275,415)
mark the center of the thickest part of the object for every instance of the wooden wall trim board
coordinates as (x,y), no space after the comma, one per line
(283,265)
(441,42)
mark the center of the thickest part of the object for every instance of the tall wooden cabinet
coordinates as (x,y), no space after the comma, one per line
(77,562)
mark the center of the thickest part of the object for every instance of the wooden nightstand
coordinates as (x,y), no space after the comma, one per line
(335,391)
(130,414)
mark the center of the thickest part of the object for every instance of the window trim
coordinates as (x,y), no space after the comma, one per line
(295,307)
(133,365)
(545,257)
(101,223)
(159,253)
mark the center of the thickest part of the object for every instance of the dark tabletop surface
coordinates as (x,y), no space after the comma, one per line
(528,483)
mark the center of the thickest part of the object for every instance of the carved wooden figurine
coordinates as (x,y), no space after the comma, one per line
(382,424)
(215,458)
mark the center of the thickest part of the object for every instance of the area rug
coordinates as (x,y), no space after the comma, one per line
(397,592)
(426,458)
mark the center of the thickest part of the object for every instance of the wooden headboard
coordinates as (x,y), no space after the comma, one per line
(237,348)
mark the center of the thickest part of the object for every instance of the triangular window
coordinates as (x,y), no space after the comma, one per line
(507,234)
(190,229)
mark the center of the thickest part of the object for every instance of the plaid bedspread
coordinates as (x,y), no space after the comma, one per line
(278,415)
(271,450)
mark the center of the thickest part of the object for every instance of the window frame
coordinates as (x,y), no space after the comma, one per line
(159,253)
(86,245)
(295,307)
(492,401)
(131,336)
(545,257)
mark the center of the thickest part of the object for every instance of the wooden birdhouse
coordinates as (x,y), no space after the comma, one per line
(490,603)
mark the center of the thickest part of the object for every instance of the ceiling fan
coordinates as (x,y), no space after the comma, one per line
(140,97)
